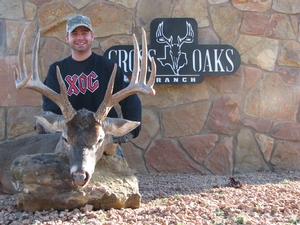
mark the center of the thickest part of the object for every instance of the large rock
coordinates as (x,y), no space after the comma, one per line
(43,183)
(280,107)
(253,5)
(286,156)
(10,150)
(224,117)
(194,8)
(248,156)
(258,51)
(225,15)
(167,156)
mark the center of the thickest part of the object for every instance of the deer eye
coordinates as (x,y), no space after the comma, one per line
(65,140)
(100,140)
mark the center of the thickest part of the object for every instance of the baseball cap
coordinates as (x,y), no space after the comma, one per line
(77,21)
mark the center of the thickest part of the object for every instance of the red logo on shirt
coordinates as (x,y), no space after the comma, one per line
(82,83)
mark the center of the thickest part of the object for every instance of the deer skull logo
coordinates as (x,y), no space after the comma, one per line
(176,59)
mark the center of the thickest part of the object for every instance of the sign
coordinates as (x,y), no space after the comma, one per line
(178,56)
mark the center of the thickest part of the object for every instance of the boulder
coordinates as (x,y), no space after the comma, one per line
(10,150)
(43,182)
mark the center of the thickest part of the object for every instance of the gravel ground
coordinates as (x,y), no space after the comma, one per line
(186,199)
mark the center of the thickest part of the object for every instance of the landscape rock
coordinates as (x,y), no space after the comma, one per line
(106,24)
(11,9)
(286,156)
(248,156)
(286,131)
(280,27)
(10,150)
(253,5)
(165,156)
(177,123)
(259,124)
(195,8)
(258,104)
(227,84)
(287,6)
(9,96)
(199,146)
(289,74)
(20,121)
(227,16)
(266,145)
(44,183)
(258,51)
(220,161)
(289,55)
(254,23)
(252,75)
(224,116)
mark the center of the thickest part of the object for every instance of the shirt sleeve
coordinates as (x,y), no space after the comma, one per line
(131,106)
(52,82)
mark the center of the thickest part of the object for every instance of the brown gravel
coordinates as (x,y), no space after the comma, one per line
(186,199)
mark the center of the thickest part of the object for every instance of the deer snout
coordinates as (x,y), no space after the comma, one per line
(80,178)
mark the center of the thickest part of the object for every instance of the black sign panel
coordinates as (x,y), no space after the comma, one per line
(179,58)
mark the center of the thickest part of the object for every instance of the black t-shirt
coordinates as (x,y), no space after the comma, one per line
(86,82)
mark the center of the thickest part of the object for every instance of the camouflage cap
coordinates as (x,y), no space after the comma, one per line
(77,21)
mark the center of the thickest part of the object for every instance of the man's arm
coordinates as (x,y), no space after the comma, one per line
(132,110)
(51,82)
(131,106)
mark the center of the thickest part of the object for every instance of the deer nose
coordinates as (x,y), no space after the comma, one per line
(80,178)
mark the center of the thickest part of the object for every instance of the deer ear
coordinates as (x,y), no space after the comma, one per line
(46,124)
(119,127)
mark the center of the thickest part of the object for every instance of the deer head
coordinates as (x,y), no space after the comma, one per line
(84,133)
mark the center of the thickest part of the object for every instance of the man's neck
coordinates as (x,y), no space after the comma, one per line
(80,56)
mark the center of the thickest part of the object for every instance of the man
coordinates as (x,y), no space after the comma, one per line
(87,74)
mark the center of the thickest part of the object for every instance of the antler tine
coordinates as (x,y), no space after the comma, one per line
(106,104)
(22,80)
(151,80)
(137,83)
(63,102)
(136,60)
(21,77)
(143,74)
(34,63)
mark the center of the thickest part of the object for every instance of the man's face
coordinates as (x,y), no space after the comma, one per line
(80,39)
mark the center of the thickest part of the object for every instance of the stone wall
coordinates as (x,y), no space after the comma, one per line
(245,122)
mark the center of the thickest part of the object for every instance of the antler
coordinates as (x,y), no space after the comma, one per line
(22,80)
(137,83)
(189,37)
(161,38)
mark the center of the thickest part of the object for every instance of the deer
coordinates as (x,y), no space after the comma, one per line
(84,135)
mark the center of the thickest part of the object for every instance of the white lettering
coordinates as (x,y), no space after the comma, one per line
(110,53)
(218,61)
(207,62)
(197,60)
(229,60)
(130,60)
(123,60)
(150,55)
(180,79)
